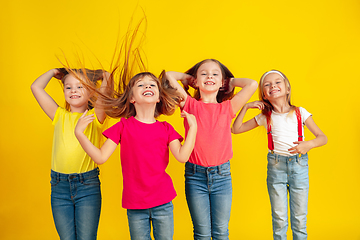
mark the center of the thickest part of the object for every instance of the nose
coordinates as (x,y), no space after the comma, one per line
(148,86)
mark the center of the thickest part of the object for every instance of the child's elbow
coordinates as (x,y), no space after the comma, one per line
(254,84)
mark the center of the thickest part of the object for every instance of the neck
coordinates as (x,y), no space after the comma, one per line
(280,106)
(78,109)
(208,97)
(145,114)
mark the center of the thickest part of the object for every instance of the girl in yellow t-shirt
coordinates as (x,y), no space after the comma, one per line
(75,185)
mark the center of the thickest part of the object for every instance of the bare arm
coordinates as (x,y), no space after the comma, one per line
(173,78)
(305,146)
(238,125)
(99,156)
(248,86)
(45,101)
(100,113)
(182,152)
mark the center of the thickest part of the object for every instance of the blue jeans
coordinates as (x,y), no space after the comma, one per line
(76,204)
(209,195)
(162,221)
(288,175)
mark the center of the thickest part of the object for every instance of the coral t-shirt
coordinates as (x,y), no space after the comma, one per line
(144,153)
(213,145)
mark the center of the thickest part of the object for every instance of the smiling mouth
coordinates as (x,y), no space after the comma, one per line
(74,97)
(148,93)
(209,83)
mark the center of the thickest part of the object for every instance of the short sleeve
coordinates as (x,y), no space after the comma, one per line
(172,134)
(114,132)
(58,112)
(304,114)
(260,119)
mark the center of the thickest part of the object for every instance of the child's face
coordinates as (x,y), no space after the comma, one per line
(274,87)
(145,90)
(209,77)
(75,94)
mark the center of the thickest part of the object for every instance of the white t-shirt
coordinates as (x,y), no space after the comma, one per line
(284,129)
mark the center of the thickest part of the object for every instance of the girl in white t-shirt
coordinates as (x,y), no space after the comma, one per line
(287,157)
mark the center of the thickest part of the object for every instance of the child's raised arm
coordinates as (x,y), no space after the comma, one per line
(248,86)
(100,113)
(305,146)
(45,101)
(99,156)
(182,152)
(185,79)
(238,125)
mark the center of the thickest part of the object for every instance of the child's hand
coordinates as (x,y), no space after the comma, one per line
(83,122)
(301,147)
(59,73)
(257,104)
(188,80)
(191,119)
(227,86)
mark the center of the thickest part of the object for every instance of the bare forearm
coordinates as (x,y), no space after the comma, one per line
(236,127)
(187,148)
(90,149)
(319,141)
(42,81)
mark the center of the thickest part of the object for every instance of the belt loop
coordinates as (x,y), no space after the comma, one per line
(194,168)
(57,177)
(81,177)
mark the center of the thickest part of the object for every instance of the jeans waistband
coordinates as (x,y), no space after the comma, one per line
(281,158)
(75,176)
(197,168)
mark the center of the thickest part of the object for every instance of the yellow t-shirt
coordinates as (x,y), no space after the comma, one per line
(67,154)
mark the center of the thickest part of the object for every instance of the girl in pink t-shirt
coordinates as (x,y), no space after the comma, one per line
(147,188)
(208,184)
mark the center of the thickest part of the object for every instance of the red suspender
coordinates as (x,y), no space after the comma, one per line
(269,133)
(298,116)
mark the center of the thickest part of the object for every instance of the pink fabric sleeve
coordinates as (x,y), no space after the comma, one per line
(114,132)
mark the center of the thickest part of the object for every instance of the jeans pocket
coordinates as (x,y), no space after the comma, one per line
(54,182)
(91,181)
(225,172)
(303,161)
(189,172)
(271,160)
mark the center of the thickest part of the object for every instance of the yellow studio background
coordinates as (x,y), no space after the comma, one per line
(315,43)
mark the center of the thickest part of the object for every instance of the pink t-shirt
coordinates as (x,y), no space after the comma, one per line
(144,153)
(213,144)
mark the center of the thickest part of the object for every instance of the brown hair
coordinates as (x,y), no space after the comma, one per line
(226,75)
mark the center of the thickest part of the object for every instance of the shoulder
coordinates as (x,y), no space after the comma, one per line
(304,113)
(260,119)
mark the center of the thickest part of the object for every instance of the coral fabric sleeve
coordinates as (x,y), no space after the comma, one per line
(213,144)
(144,153)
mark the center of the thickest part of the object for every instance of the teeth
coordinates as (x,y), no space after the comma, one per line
(148,94)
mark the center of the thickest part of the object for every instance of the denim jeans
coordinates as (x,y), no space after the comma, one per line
(162,219)
(288,175)
(209,195)
(76,204)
